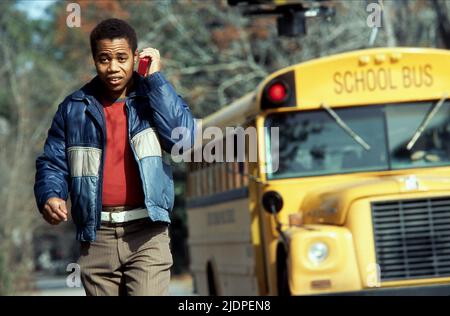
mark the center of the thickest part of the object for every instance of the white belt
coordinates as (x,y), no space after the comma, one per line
(123,217)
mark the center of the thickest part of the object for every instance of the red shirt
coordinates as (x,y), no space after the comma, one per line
(121,180)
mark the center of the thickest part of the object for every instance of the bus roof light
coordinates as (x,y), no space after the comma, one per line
(277,92)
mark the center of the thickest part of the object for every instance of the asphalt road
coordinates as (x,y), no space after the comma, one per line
(56,286)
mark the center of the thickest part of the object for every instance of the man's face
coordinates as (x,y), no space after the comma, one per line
(114,62)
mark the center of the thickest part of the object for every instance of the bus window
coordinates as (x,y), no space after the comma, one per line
(312,143)
(237,175)
(204,177)
(432,147)
(211,180)
(245,177)
(217,177)
(223,176)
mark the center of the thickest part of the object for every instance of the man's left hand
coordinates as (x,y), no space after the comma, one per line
(155,59)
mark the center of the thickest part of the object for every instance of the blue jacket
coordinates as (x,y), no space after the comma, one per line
(73,155)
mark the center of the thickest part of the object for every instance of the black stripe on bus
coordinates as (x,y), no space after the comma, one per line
(217,198)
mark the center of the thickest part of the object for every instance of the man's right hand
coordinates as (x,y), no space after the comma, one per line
(55,211)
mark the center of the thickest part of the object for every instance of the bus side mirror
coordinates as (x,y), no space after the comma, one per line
(272,202)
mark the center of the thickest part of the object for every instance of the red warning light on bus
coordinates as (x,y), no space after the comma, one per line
(277,92)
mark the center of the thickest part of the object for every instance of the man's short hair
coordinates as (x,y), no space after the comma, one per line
(112,29)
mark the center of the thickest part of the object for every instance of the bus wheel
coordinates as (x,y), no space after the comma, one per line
(212,289)
(282,273)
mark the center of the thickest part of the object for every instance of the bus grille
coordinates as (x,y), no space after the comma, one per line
(412,238)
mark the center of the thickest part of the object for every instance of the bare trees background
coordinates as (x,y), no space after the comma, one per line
(211,53)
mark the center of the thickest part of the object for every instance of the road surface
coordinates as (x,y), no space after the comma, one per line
(56,286)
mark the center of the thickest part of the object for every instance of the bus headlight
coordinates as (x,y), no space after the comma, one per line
(318,252)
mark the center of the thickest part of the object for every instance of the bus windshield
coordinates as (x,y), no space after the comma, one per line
(311,143)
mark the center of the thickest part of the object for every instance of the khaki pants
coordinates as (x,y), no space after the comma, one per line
(131,259)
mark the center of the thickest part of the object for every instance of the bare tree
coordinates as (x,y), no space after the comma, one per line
(443,20)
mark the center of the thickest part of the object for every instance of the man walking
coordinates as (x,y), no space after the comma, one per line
(105,146)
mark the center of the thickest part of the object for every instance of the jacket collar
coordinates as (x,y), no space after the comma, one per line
(92,88)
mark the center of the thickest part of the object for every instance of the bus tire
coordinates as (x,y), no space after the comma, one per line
(212,288)
(282,273)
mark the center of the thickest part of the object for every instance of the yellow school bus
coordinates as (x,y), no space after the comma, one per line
(350,194)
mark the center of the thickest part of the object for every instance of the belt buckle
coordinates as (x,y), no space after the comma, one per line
(112,218)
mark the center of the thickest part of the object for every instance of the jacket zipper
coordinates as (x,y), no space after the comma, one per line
(132,149)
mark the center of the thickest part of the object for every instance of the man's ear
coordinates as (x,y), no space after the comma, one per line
(136,56)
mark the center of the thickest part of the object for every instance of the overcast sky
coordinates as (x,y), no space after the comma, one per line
(35,9)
